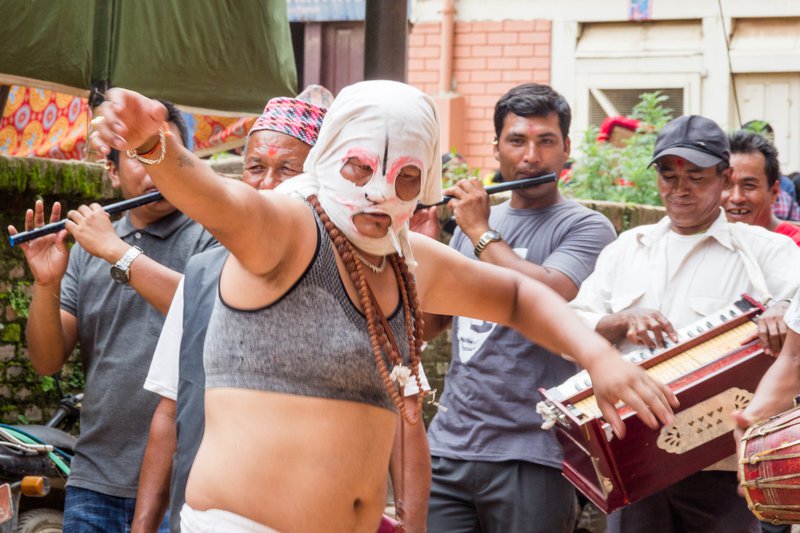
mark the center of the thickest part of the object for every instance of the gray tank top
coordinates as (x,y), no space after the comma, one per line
(312,341)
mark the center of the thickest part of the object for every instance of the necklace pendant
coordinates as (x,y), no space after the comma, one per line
(377,269)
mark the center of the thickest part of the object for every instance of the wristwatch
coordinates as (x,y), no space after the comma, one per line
(487,238)
(120,271)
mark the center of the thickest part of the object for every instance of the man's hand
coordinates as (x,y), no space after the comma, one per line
(772,328)
(640,326)
(426,222)
(615,379)
(46,256)
(126,120)
(92,229)
(470,206)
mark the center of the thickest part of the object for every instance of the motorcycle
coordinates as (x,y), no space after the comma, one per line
(34,466)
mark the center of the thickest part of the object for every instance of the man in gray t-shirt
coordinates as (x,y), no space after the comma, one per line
(494,468)
(117,322)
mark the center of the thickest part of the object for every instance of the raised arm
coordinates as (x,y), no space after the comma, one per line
(91,226)
(451,284)
(251,224)
(470,206)
(51,332)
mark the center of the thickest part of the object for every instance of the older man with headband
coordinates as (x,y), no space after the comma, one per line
(277,146)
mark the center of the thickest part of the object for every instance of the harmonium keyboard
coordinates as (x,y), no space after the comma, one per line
(713,369)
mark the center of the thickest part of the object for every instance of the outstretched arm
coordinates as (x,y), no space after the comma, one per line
(251,224)
(451,284)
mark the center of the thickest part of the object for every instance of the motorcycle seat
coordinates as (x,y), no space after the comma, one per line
(49,435)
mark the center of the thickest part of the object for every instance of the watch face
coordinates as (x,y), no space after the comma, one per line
(119,275)
(494,235)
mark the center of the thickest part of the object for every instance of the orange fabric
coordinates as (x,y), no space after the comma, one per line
(41,123)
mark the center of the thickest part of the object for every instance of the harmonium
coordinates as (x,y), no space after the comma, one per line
(713,369)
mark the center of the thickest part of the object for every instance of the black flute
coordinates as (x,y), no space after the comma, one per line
(54,227)
(501,187)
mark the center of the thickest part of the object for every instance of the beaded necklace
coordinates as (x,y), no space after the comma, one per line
(377,336)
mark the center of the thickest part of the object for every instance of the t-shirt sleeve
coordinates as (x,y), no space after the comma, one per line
(206,241)
(792,316)
(69,284)
(165,366)
(576,254)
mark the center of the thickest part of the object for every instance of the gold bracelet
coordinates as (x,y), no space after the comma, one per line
(162,141)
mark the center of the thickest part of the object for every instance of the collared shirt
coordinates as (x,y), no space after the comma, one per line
(792,316)
(785,207)
(117,332)
(631,273)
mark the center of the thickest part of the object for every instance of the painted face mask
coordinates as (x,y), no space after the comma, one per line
(379,128)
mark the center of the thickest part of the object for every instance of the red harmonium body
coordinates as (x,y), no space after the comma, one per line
(713,369)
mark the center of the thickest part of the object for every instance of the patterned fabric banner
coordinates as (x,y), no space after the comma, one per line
(216,134)
(40,123)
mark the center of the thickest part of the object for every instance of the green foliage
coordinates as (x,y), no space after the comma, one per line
(19,300)
(621,174)
(47,383)
(456,169)
(74,380)
(50,176)
(11,333)
(22,419)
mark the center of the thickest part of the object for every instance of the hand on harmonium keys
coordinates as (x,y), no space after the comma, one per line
(649,327)
(772,328)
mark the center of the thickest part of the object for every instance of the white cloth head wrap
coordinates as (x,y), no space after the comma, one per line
(392,125)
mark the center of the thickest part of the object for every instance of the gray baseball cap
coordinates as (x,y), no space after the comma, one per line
(696,139)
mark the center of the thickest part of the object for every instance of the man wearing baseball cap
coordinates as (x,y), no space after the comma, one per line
(655,279)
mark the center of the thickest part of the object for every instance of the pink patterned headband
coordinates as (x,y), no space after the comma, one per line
(290,116)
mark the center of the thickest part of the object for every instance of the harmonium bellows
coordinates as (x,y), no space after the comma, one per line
(713,369)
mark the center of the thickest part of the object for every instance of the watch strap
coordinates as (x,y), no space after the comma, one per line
(487,238)
(123,265)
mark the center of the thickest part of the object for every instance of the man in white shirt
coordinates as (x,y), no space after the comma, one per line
(655,279)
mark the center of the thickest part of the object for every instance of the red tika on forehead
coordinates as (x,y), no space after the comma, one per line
(296,118)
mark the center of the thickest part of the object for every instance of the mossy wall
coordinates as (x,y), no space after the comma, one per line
(24,395)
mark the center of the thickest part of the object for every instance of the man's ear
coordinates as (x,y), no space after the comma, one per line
(726,176)
(495,150)
(113,173)
(774,191)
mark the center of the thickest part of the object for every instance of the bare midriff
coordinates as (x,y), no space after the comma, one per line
(293,463)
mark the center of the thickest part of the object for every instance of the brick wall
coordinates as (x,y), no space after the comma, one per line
(489,58)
